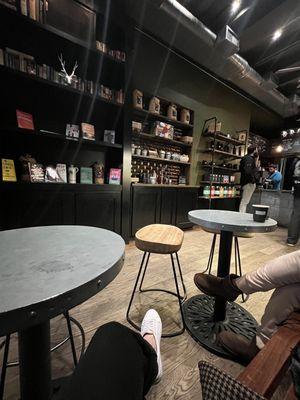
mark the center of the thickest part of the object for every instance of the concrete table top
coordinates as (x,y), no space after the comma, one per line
(45,271)
(230,221)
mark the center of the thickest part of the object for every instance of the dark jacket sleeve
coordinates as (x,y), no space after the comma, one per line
(249,171)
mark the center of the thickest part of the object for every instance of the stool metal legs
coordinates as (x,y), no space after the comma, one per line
(6,364)
(181,299)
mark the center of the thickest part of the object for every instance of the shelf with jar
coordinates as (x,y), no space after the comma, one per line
(220,191)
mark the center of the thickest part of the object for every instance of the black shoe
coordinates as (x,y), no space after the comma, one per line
(242,350)
(214,286)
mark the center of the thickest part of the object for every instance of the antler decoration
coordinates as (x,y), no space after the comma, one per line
(72,76)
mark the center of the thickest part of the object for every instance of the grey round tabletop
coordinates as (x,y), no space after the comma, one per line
(230,221)
(45,271)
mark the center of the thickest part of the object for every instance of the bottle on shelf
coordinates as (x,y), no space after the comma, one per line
(217,191)
(225,193)
(212,191)
(206,191)
(229,191)
(221,191)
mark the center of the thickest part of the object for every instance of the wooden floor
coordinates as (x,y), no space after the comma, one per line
(181,354)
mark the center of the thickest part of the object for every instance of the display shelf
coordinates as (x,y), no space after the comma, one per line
(162,160)
(218,198)
(36,79)
(56,185)
(220,167)
(147,114)
(149,137)
(57,33)
(60,137)
(219,183)
(219,136)
(224,153)
(139,184)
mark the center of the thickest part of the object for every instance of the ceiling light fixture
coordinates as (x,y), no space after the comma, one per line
(279,149)
(235,6)
(277,35)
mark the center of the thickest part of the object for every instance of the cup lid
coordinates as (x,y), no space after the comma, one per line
(260,205)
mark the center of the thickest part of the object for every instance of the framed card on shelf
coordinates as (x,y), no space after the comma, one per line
(109,136)
(24,120)
(61,170)
(86,175)
(72,132)
(8,170)
(37,174)
(88,131)
(115,176)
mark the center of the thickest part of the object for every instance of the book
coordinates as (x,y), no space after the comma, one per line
(36,172)
(24,120)
(8,170)
(51,174)
(109,136)
(86,175)
(32,9)
(114,176)
(88,131)
(72,132)
(62,172)
(23,6)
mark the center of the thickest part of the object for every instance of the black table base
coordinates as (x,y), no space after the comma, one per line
(201,323)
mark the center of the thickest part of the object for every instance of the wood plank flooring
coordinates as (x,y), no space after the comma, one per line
(181,354)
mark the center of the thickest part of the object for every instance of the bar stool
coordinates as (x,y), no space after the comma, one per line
(6,343)
(237,255)
(159,239)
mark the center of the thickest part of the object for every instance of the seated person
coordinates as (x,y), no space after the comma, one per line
(274,177)
(119,363)
(281,274)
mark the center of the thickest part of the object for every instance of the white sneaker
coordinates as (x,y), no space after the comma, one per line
(291,244)
(152,325)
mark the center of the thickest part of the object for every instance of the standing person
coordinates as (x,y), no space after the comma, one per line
(274,177)
(281,274)
(294,225)
(249,172)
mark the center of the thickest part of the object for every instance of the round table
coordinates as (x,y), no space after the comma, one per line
(45,271)
(206,316)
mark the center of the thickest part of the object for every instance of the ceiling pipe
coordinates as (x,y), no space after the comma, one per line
(236,69)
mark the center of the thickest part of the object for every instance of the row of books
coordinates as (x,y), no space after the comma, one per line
(34,9)
(26,63)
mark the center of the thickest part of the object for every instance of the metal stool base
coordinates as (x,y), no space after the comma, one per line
(199,320)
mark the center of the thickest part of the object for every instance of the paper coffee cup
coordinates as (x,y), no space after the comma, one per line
(260,212)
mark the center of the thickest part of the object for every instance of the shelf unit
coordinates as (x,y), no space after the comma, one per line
(219,136)
(147,139)
(53,105)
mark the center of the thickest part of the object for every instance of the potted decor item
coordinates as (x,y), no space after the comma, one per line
(98,170)
(138,99)
(185,116)
(172,111)
(154,105)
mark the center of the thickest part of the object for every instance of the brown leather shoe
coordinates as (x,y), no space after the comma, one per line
(243,350)
(214,286)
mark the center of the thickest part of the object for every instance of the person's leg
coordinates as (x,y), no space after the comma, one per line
(247,192)
(294,225)
(118,364)
(283,302)
(282,271)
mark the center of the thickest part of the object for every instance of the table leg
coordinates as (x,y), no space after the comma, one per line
(223,270)
(35,363)
(205,317)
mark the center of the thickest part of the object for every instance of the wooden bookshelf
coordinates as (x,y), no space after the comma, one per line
(162,160)
(145,114)
(149,137)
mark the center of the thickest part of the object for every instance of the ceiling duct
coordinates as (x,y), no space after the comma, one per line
(270,81)
(235,68)
(227,42)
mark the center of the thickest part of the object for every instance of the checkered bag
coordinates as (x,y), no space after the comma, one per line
(217,385)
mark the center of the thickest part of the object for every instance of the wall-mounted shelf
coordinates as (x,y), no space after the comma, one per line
(158,117)
(162,160)
(218,198)
(224,153)
(146,136)
(220,167)
(219,183)
(220,136)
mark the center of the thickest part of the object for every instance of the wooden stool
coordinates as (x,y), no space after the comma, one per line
(159,239)
(237,255)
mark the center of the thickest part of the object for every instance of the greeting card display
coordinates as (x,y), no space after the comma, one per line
(86,175)
(72,132)
(51,174)
(36,172)
(24,120)
(115,176)
(61,170)
(109,136)
(8,170)
(88,131)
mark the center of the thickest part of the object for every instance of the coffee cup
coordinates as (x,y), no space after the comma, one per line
(260,212)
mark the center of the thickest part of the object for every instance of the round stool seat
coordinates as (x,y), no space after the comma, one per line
(159,238)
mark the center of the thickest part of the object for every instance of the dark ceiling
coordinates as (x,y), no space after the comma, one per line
(255,22)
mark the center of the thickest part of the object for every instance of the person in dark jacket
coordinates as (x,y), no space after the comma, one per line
(294,225)
(249,173)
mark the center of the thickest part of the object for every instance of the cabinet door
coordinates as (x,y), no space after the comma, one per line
(145,207)
(102,209)
(186,200)
(168,206)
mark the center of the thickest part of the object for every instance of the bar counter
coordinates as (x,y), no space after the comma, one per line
(280,202)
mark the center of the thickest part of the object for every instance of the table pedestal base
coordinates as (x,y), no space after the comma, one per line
(199,320)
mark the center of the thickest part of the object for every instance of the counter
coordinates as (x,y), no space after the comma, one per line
(280,202)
